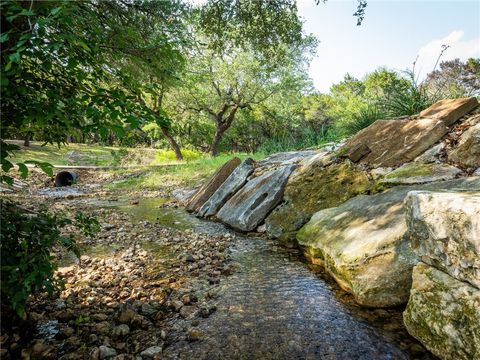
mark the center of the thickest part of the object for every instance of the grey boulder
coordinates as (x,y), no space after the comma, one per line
(234,182)
(249,206)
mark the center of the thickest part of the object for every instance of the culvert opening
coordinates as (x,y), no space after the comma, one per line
(65,178)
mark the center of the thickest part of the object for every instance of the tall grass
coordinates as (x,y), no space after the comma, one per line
(187,174)
(365,117)
(307,138)
(409,102)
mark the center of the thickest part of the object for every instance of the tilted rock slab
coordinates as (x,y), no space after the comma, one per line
(444,314)
(395,142)
(467,153)
(363,243)
(249,206)
(207,189)
(311,188)
(444,230)
(449,110)
(234,182)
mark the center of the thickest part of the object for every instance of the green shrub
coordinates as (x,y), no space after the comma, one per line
(26,241)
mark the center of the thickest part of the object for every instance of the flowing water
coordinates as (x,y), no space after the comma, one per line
(275,307)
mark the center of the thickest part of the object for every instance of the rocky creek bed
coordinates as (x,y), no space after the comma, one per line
(156,282)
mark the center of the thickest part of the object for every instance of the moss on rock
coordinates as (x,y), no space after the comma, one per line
(312,189)
(444,314)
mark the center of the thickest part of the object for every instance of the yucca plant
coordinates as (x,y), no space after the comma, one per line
(365,117)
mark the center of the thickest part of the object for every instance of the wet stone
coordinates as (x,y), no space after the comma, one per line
(152,352)
(106,352)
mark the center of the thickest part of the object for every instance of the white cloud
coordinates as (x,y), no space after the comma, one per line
(458,48)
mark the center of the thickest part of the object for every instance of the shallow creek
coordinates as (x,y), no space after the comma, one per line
(276,306)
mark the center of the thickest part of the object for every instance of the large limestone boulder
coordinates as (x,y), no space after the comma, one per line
(444,229)
(311,188)
(444,314)
(467,153)
(207,189)
(251,204)
(234,182)
(418,173)
(395,142)
(449,110)
(363,243)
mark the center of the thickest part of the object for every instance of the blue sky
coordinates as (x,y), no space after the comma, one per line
(393,34)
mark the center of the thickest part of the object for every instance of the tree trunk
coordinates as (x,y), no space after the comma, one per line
(221,127)
(173,143)
(216,141)
(166,131)
(26,141)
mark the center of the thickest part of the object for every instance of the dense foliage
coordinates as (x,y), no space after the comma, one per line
(26,241)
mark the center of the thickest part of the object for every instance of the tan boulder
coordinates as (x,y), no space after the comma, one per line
(444,231)
(395,142)
(207,189)
(449,110)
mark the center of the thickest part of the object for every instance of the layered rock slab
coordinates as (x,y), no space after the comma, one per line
(449,110)
(395,142)
(363,245)
(444,230)
(252,203)
(311,188)
(207,189)
(444,314)
(234,182)
(467,153)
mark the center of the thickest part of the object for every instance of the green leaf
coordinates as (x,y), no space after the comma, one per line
(6,165)
(45,166)
(15,57)
(3,80)
(4,37)
(23,170)
(55,11)
(83,45)
(27,12)
(6,179)
(8,66)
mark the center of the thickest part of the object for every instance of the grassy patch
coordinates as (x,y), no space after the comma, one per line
(188,174)
(168,156)
(79,154)
(97,155)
